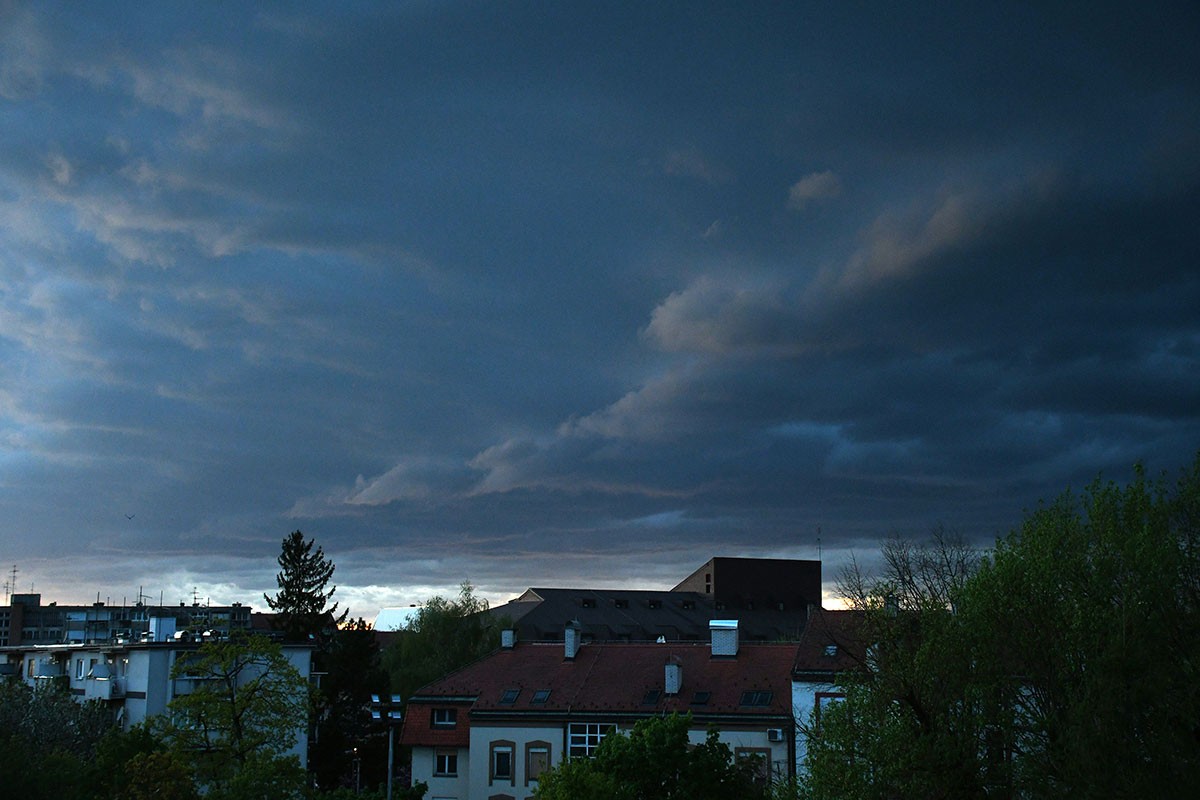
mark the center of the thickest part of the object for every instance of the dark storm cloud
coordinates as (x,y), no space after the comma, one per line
(546,295)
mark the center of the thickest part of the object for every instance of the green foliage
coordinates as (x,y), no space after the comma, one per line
(1093,617)
(1065,666)
(445,635)
(154,775)
(655,761)
(241,716)
(47,728)
(302,597)
(263,777)
(137,764)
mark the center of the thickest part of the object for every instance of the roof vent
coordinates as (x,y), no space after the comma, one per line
(674,676)
(724,636)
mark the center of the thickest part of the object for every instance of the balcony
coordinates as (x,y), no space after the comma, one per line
(104,689)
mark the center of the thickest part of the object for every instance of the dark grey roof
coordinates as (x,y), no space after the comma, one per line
(541,614)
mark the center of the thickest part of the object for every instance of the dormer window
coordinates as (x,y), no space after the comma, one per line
(756,697)
(444,717)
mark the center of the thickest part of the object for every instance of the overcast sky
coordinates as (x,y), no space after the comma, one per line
(578,293)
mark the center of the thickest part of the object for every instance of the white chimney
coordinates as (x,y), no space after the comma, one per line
(724,636)
(571,639)
(673,679)
(508,638)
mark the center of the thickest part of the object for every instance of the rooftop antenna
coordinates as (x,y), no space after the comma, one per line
(10,586)
(818,543)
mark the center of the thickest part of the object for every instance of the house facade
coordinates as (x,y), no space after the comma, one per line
(831,645)
(487,732)
(25,620)
(132,678)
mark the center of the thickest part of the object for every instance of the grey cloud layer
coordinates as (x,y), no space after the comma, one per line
(453,287)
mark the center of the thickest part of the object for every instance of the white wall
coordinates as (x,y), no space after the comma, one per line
(804,702)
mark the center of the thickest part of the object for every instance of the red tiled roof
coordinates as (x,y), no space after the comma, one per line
(840,629)
(417,727)
(614,679)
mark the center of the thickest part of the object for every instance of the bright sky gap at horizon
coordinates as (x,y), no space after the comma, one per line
(574,295)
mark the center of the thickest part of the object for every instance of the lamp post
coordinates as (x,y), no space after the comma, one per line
(388,711)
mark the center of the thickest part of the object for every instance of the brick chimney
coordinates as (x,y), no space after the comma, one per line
(724,636)
(571,639)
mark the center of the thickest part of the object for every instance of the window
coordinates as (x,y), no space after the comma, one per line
(509,697)
(540,697)
(445,763)
(584,737)
(831,649)
(651,698)
(501,758)
(756,697)
(701,698)
(78,668)
(822,701)
(761,757)
(444,718)
(537,760)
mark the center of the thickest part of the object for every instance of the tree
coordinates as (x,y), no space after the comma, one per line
(138,765)
(46,727)
(908,725)
(443,636)
(1065,665)
(353,672)
(302,597)
(1089,623)
(245,706)
(656,761)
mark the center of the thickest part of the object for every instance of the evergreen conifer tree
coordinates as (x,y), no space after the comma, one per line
(304,572)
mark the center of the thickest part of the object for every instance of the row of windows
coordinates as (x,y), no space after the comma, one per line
(583,741)
(621,602)
(501,766)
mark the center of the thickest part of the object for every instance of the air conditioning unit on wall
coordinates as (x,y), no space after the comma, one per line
(775,734)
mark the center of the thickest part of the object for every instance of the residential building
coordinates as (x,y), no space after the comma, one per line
(832,644)
(132,678)
(26,621)
(487,731)
(770,599)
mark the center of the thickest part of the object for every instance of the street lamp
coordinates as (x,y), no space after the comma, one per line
(388,711)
